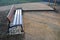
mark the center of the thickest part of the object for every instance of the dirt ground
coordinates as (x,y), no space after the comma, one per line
(41,25)
(38,25)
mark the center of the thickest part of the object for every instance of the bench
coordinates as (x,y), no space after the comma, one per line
(15,21)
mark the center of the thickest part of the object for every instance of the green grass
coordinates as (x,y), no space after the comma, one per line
(9,2)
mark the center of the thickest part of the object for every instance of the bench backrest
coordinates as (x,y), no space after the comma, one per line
(11,13)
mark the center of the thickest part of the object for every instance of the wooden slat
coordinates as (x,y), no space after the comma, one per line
(11,13)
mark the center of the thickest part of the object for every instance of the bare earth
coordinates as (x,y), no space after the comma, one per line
(40,25)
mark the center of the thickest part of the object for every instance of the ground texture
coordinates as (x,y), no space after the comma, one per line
(38,25)
(41,25)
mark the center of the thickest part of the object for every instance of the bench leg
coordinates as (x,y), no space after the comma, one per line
(22,30)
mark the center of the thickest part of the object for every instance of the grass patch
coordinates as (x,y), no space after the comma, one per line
(9,2)
(3,23)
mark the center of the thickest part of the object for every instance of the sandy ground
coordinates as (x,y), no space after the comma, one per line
(41,25)
(38,25)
